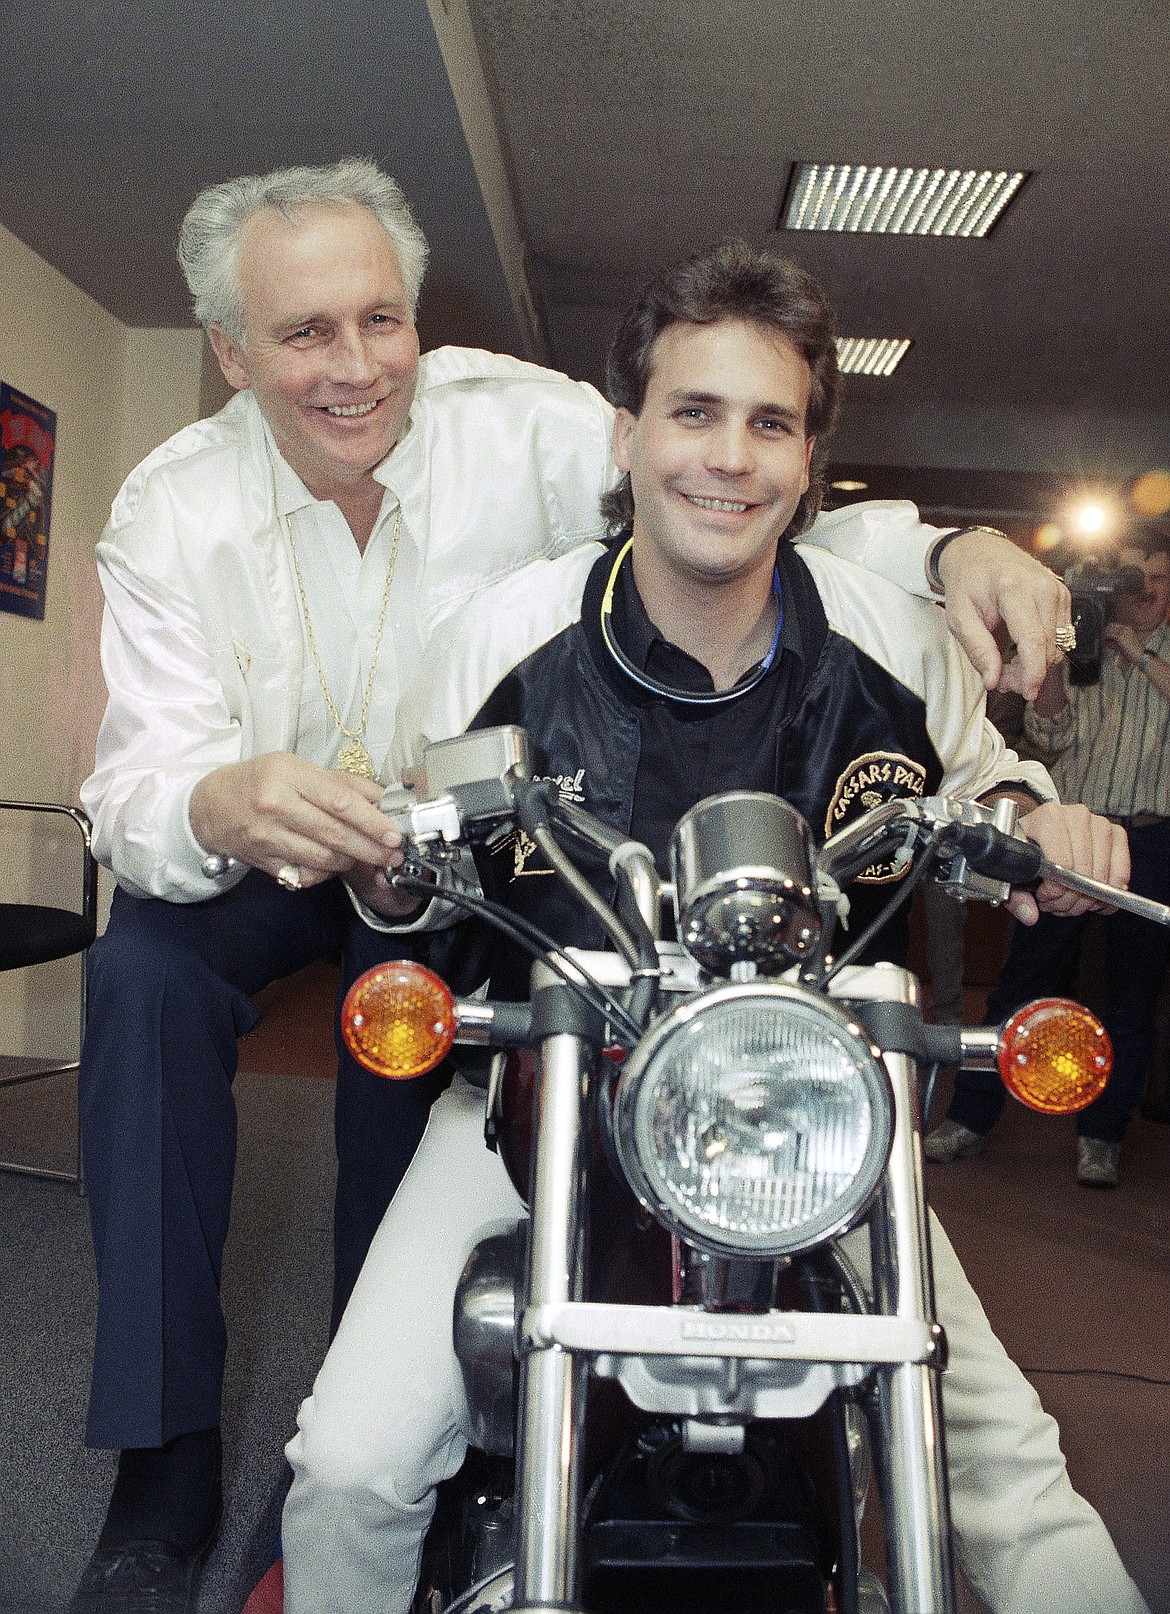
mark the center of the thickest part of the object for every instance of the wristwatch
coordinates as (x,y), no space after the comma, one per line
(932,560)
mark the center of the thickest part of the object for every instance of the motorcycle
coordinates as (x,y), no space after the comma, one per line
(717,1135)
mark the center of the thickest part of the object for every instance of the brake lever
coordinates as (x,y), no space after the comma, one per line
(1128,901)
(1017,861)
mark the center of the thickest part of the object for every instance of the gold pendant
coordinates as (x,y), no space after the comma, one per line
(354,758)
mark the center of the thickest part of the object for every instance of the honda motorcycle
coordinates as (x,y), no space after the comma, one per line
(718,1316)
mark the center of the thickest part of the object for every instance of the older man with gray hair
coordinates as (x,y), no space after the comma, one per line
(272,576)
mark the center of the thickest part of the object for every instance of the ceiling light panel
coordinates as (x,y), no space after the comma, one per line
(871,355)
(897,201)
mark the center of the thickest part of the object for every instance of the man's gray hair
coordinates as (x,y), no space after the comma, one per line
(209,239)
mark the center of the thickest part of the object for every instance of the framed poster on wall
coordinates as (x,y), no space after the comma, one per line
(28,436)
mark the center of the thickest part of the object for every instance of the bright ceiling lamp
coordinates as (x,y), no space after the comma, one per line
(1092,517)
(897,201)
(871,355)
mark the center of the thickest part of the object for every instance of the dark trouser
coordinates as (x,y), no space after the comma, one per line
(1040,958)
(170,991)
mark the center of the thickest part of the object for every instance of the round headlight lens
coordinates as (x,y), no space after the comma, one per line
(754,1120)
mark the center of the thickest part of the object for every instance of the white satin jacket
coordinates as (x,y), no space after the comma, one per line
(502,462)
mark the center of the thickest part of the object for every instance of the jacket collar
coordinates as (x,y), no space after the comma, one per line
(637,634)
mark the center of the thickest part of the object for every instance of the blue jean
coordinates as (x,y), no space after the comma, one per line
(170,991)
(1039,960)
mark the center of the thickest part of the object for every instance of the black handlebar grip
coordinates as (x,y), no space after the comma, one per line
(1000,857)
(511,1024)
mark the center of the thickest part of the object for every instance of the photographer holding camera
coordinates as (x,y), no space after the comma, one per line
(1102,724)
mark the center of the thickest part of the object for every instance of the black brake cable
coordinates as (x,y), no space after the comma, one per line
(536,943)
(538,807)
(809,1282)
(905,890)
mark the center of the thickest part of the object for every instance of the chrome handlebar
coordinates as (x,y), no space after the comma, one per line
(469,787)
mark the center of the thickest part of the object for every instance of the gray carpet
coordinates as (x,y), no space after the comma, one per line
(276,1296)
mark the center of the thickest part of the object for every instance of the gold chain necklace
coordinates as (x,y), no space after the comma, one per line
(353,756)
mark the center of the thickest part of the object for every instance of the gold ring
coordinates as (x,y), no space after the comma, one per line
(1066,637)
(289,876)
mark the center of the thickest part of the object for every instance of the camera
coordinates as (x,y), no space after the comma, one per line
(1095,586)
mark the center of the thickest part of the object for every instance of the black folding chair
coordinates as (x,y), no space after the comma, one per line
(33,933)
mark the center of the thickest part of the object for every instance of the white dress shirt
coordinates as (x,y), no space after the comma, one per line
(344,591)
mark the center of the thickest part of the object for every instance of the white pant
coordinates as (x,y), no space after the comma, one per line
(387,1418)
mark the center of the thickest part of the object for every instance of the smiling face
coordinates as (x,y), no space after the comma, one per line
(1145,611)
(330,349)
(718,457)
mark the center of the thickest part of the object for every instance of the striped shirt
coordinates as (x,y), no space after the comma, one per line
(1110,747)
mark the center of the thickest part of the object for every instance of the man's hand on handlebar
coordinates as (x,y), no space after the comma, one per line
(278,812)
(1078,840)
(372,888)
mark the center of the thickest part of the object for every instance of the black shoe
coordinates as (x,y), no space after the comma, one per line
(1098,1163)
(142,1577)
(950,1141)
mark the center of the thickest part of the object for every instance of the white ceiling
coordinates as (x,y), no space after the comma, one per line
(635,130)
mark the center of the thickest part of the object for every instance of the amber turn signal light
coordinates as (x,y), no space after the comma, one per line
(1055,1056)
(398,1020)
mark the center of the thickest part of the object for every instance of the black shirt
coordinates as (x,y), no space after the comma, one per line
(689,751)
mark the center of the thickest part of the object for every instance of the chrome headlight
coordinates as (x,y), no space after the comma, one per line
(754,1120)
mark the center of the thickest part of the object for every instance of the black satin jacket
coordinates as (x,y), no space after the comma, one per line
(846,735)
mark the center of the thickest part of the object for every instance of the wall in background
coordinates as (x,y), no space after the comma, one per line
(117,392)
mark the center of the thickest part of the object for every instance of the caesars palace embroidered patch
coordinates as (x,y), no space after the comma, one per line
(868,781)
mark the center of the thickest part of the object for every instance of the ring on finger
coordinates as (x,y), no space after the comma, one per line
(1066,638)
(289,876)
